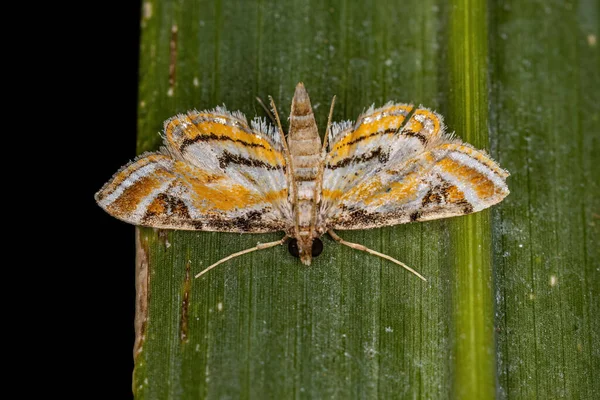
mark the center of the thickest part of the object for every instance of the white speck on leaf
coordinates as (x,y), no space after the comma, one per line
(591,39)
(389,329)
(170,92)
(369,351)
(553,280)
(196,82)
(219,306)
(388,62)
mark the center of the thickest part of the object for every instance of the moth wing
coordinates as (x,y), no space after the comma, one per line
(160,191)
(380,136)
(424,174)
(222,142)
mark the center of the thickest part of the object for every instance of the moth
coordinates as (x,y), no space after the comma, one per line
(394,165)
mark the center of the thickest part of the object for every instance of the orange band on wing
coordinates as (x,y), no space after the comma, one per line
(125,172)
(331,195)
(368,132)
(478,155)
(216,128)
(482,185)
(374,124)
(454,194)
(375,193)
(133,195)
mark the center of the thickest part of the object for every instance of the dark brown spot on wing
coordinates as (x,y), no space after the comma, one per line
(466,206)
(375,153)
(415,216)
(431,197)
(355,217)
(197,224)
(364,137)
(447,193)
(211,136)
(246,223)
(166,208)
(417,135)
(228,158)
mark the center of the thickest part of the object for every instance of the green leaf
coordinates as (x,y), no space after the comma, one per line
(472,300)
(511,303)
(545,108)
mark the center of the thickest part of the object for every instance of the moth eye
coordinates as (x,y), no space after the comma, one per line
(317,247)
(293,248)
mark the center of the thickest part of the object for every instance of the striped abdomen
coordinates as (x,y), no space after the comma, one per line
(305,150)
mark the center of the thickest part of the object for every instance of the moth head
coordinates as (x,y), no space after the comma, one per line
(305,248)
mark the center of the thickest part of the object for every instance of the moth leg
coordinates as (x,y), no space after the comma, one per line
(259,246)
(375,253)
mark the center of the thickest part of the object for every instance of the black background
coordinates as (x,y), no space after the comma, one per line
(106,95)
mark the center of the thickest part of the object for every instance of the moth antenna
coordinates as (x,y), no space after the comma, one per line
(278,121)
(319,185)
(375,253)
(270,115)
(260,246)
(328,130)
(288,158)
